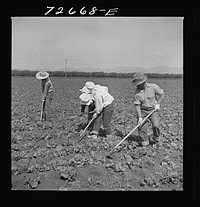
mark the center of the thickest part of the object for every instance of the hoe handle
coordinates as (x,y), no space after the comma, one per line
(42,110)
(86,128)
(132,130)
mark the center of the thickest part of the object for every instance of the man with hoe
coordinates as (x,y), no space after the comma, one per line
(104,108)
(147,97)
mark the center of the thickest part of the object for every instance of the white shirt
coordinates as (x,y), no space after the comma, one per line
(102,98)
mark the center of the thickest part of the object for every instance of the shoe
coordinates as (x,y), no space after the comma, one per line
(109,136)
(156,139)
(93,136)
(153,140)
(145,143)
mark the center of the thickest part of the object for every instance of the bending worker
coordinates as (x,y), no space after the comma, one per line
(104,109)
(148,96)
(87,99)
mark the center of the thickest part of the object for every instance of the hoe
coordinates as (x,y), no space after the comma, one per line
(109,155)
(42,110)
(81,137)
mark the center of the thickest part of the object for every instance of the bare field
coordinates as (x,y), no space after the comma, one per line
(46,156)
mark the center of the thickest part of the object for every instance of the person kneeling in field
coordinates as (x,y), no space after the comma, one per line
(87,99)
(147,97)
(47,94)
(104,110)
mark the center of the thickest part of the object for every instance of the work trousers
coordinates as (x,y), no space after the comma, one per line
(143,129)
(47,107)
(91,107)
(104,118)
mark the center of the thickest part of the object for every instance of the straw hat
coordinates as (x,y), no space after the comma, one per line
(84,90)
(139,78)
(90,85)
(85,98)
(42,75)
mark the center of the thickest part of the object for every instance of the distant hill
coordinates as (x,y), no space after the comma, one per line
(126,69)
(158,69)
(166,69)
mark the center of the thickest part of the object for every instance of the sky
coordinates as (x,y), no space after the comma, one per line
(98,42)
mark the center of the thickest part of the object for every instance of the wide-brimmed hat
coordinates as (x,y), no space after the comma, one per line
(139,78)
(42,75)
(90,85)
(84,90)
(86,98)
(99,88)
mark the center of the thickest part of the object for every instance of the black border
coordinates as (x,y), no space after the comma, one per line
(31,9)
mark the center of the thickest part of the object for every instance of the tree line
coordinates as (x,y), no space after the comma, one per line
(93,74)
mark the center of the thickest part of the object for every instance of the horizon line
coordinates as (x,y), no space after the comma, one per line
(97,72)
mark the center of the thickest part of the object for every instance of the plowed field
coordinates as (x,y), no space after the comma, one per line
(47,156)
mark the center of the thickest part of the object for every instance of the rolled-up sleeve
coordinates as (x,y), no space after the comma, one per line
(98,103)
(136,100)
(158,90)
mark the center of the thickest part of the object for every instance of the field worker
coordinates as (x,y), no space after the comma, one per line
(147,97)
(87,99)
(104,110)
(47,93)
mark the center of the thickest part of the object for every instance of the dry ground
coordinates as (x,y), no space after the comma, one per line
(46,156)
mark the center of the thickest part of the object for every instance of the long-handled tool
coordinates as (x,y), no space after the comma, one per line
(80,137)
(80,115)
(130,133)
(76,116)
(42,110)
(92,111)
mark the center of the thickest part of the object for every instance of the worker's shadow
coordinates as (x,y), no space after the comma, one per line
(102,132)
(81,127)
(132,137)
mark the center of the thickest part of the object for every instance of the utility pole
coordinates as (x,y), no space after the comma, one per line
(65,66)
